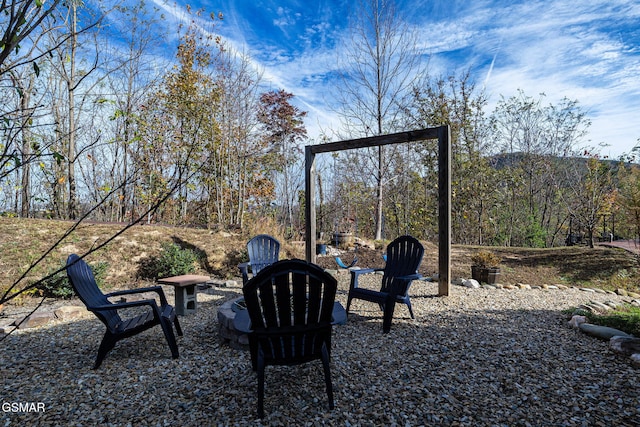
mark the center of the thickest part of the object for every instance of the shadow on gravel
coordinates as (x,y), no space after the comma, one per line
(450,366)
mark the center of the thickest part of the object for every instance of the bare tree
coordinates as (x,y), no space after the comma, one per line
(74,77)
(378,68)
(532,137)
(23,19)
(237,165)
(591,192)
(134,72)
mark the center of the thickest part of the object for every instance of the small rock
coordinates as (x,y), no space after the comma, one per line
(576,321)
(600,306)
(625,344)
(622,292)
(70,312)
(471,283)
(588,308)
(635,359)
(34,320)
(602,332)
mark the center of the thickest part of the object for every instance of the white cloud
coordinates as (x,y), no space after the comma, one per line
(580,50)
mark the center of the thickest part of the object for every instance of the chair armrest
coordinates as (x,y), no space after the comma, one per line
(365,271)
(244,270)
(242,322)
(400,280)
(116,306)
(356,273)
(415,276)
(156,289)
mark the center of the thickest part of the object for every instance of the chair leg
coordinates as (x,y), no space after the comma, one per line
(176,323)
(408,302)
(260,369)
(349,298)
(171,338)
(253,350)
(389,307)
(327,375)
(108,342)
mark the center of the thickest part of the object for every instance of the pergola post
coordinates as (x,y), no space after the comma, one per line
(444,210)
(310,203)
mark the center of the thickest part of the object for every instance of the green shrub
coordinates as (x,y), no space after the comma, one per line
(172,261)
(58,286)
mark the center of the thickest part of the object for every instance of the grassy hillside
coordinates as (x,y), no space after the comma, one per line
(24,241)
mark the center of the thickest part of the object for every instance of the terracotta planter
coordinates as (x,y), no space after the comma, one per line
(485,274)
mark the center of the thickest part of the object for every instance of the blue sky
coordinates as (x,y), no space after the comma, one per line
(587,50)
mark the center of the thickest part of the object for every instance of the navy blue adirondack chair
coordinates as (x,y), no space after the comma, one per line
(290,306)
(84,283)
(263,250)
(403,258)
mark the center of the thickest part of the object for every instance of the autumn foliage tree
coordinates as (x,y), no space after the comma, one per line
(283,130)
(179,132)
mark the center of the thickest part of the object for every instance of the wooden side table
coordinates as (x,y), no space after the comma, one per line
(185,290)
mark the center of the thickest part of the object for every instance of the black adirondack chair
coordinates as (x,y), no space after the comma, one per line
(263,250)
(290,305)
(84,283)
(403,258)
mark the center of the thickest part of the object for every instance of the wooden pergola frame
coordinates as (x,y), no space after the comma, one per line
(443,135)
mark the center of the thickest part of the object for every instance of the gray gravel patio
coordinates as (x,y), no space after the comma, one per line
(480,357)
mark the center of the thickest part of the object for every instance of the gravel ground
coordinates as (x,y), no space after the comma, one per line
(479,357)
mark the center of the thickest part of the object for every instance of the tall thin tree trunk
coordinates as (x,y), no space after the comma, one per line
(25,182)
(379,194)
(71,148)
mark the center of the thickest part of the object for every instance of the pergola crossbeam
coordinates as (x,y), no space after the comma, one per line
(443,134)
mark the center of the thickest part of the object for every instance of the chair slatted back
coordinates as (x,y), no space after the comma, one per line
(404,255)
(290,305)
(84,283)
(263,250)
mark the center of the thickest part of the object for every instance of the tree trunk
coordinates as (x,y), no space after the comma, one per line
(25,183)
(71,148)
